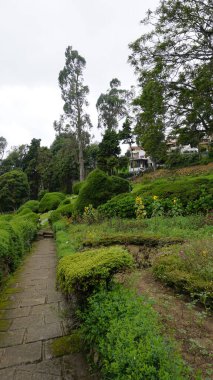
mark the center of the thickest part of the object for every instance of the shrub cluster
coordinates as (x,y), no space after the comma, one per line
(77,187)
(85,271)
(33,205)
(124,205)
(50,201)
(62,211)
(124,331)
(98,188)
(189,269)
(16,234)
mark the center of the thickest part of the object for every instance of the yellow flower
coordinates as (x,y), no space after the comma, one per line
(174,201)
(155,197)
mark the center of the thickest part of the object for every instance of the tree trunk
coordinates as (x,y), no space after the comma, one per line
(81,160)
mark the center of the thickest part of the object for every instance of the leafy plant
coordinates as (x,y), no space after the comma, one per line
(124,331)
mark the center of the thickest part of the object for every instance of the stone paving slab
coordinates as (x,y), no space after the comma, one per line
(51,330)
(11,338)
(23,353)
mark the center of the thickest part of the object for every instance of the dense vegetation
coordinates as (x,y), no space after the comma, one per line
(16,235)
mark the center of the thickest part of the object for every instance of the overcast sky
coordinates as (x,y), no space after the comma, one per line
(33,37)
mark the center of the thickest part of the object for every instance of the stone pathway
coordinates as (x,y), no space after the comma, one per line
(32,319)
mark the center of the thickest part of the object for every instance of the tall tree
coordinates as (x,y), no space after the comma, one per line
(179,48)
(30,167)
(74,94)
(108,151)
(112,106)
(3,145)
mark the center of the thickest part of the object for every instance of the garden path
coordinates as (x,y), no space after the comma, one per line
(31,318)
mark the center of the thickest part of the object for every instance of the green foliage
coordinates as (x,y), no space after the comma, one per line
(16,235)
(124,331)
(32,205)
(98,188)
(177,160)
(183,188)
(189,269)
(14,190)
(77,187)
(61,211)
(121,205)
(51,201)
(87,270)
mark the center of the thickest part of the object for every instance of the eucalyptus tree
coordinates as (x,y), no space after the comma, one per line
(74,94)
(113,106)
(3,145)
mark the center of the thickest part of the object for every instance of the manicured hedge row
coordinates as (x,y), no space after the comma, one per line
(137,239)
(122,331)
(85,271)
(16,235)
(184,188)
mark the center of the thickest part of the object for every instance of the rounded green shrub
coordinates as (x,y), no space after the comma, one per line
(99,188)
(51,201)
(33,205)
(77,187)
(65,210)
(83,272)
(122,205)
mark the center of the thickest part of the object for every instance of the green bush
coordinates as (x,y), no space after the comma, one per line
(83,272)
(66,201)
(61,211)
(32,205)
(98,188)
(189,269)
(77,187)
(185,189)
(51,201)
(122,205)
(124,331)
(178,160)
(16,235)
(14,190)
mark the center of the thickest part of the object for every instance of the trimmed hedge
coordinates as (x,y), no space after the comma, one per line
(123,331)
(122,205)
(32,205)
(77,187)
(64,210)
(83,272)
(51,201)
(16,235)
(185,189)
(98,188)
(127,238)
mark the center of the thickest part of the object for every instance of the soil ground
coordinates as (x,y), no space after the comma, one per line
(190,325)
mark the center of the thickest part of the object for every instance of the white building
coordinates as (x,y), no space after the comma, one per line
(139,161)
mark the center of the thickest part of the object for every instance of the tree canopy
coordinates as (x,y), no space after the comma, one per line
(178,54)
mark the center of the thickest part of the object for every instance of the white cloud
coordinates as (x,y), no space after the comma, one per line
(33,39)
